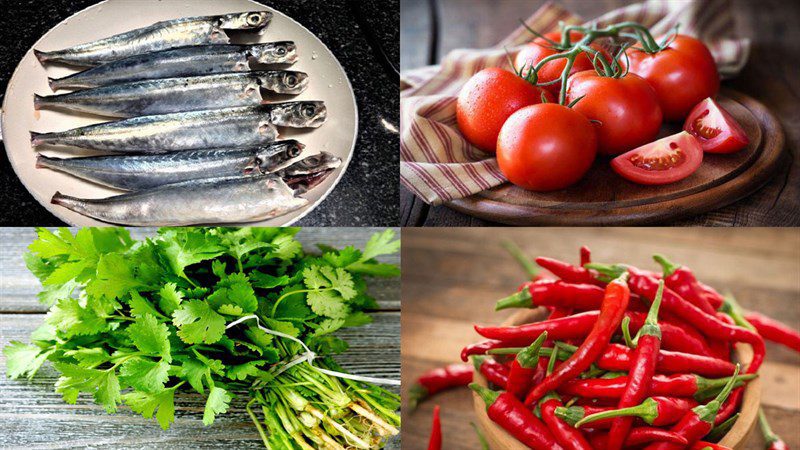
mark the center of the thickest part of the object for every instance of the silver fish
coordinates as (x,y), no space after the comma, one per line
(159,36)
(180,62)
(137,172)
(248,126)
(168,95)
(195,202)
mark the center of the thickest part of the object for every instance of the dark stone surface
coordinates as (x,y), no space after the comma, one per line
(367,195)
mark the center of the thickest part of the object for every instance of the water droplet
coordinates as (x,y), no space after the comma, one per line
(330,85)
(314,55)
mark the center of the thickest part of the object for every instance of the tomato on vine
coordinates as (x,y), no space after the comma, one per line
(682,74)
(488,99)
(664,161)
(624,110)
(542,47)
(715,129)
(546,147)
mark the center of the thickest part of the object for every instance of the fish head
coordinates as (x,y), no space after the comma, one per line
(250,20)
(309,172)
(280,193)
(284,82)
(284,52)
(270,158)
(307,114)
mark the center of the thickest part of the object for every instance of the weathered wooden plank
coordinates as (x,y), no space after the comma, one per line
(33,415)
(18,287)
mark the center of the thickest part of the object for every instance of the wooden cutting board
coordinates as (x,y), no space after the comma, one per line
(604,198)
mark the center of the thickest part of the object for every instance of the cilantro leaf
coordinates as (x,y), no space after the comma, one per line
(23,359)
(73,319)
(183,247)
(198,323)
(217,403)
(330,288)
(146,403)
(169,298)
(242,371)
(381,244)
(117,275)
(144,374)
(140,306)
(150,337)
(49,245)
(234,296)
(103,384)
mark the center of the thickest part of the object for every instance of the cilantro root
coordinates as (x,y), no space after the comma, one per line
(138,323)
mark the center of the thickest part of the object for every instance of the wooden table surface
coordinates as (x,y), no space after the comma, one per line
(771,76)
(32,415)
(452,277)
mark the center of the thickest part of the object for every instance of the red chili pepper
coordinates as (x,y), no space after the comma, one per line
(437,380)
(560,294)
(586,256)
(774,331)
(698,421)
(639,436)
(523,368)
(569,437)
(508,412)
(681,280)
(492,370)
(480,348)
(578,326)
(711,326)
(685,385)
(703,445)
(611,313)
(568,272)
(730,406)
(435,442)
(774,442)
(640,376)
(658,411)
(618,358)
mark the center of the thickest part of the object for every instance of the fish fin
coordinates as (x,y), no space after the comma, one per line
(43,57)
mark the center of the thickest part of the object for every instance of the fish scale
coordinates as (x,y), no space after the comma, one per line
(180,62)
(158,36)
(218,128)
(137,172)
(168,95)
(195,202)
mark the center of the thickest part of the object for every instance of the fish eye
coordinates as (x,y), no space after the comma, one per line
(254,19)
(291,80)
(280,51)
(309,110)
(294,151)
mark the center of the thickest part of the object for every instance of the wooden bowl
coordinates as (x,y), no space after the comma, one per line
(499,439)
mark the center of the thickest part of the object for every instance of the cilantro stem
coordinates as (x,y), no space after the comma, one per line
(257,422)
(120,317)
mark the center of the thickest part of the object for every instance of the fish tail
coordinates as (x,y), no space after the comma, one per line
(43,57)
(38,138)
(54,83)
(42,161)
(67,201)
(38,101)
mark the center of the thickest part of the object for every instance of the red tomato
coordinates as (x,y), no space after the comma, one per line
(539,49)
(683,74)
(486,101)
(715,129)
(664,161)
(627,109)
(546,147)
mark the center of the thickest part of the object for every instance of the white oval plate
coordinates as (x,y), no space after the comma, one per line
(328,82)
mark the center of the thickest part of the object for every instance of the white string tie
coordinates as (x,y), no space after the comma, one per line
(309,356)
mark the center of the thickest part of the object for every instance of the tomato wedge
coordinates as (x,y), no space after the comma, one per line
(664,161)
(715,129)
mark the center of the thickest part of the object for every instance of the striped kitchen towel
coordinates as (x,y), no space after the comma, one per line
(438,164)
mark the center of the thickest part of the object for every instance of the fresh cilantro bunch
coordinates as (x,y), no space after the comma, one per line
(133,322)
